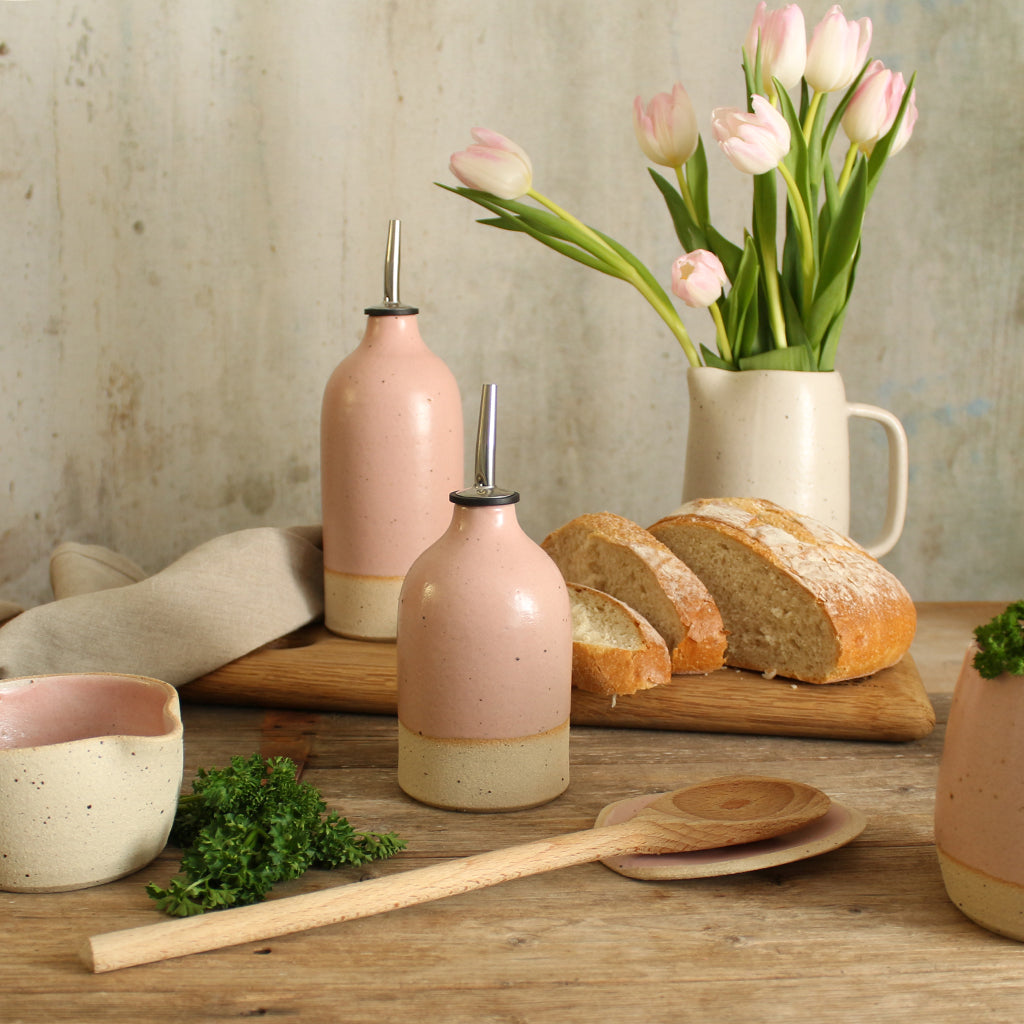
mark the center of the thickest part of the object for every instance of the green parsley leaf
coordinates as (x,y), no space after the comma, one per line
(248,826)
(1001,644)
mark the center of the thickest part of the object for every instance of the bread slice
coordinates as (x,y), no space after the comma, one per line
(615,650)
(798,599)
(610,553)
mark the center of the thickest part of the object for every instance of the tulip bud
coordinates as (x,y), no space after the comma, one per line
(698,278)
(783,39)
(906,128)
(837,51)
(667,129)
(872,109)
(754,143)
(496,165)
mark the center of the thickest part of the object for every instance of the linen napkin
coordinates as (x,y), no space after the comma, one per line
(219,601)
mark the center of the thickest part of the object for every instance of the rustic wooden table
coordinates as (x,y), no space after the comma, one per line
(864,933)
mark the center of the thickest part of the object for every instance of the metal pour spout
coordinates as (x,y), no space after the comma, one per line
(486,438)
(392,262)
(484,491)
(392,305)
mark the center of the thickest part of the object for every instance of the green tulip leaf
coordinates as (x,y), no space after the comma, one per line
(817,151)
(542,221)
(830,342)
(564,248)
(688,232)
(844,232)
(827,359)
(752,72)
(696,171)
(728,252)
(792,276)
(714,359)
(650,280)
(798,358)
(542,225)
(797,157)
(742,297)
(796,334)
(691,236)
(827,306)
(830,207)
(751,336)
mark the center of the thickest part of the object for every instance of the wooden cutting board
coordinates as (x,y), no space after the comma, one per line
(314,670)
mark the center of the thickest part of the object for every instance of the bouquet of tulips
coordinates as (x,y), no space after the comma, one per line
(773,306)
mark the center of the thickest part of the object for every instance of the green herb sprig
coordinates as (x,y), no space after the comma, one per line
(247,827)
(1001,644)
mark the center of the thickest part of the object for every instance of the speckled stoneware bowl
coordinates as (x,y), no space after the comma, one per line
(90,773)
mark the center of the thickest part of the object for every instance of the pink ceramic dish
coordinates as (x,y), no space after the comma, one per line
(90,773)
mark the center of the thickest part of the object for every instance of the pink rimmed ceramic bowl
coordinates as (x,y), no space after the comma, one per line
(90,773)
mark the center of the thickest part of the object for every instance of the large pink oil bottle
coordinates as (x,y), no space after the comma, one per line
(484,657)
(391,450)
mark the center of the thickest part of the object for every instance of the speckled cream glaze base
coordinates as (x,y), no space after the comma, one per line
(484,775)
(991,902)
(362,607)
(90,772)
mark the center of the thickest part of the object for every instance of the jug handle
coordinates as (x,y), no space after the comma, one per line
(899,474)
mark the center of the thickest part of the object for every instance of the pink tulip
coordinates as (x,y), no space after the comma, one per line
(495,164)
(667,129)
(873,108)
(698,278)
(754,143)
(837,51)
(783,44)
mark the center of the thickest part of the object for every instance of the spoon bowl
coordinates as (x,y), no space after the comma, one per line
(714,813)
(728,812)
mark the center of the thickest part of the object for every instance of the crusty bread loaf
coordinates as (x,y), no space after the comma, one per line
(798,599)
(615,650)
(610,553)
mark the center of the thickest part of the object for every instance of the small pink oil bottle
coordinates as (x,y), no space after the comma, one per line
(391,450)
(484,657)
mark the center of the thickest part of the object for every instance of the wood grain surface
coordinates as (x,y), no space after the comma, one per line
(313,669)
(861,934)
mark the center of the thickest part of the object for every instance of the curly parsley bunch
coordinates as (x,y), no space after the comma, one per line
(247,827)
(1001,644)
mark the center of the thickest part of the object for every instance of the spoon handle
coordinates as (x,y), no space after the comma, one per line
(181,936)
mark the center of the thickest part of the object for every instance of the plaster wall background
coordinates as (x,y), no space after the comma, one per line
(194,200)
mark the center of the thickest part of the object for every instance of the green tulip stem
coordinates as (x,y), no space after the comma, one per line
(806,233)
(848,164)
(684,191)
(724,348)
(770,279)
(812,111)
(778,321)
(622,268)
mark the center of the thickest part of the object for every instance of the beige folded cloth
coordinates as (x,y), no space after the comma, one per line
(85,568)
(223,599)
(8,609)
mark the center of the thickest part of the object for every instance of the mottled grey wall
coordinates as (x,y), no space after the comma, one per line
(194,198)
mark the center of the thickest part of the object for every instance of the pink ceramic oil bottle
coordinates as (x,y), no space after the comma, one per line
(391,450)
(484,657)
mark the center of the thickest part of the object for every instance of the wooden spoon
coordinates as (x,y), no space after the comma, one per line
(718,812)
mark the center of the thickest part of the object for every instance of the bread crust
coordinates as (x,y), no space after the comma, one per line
(614,670)
(867,608)
(667,593)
